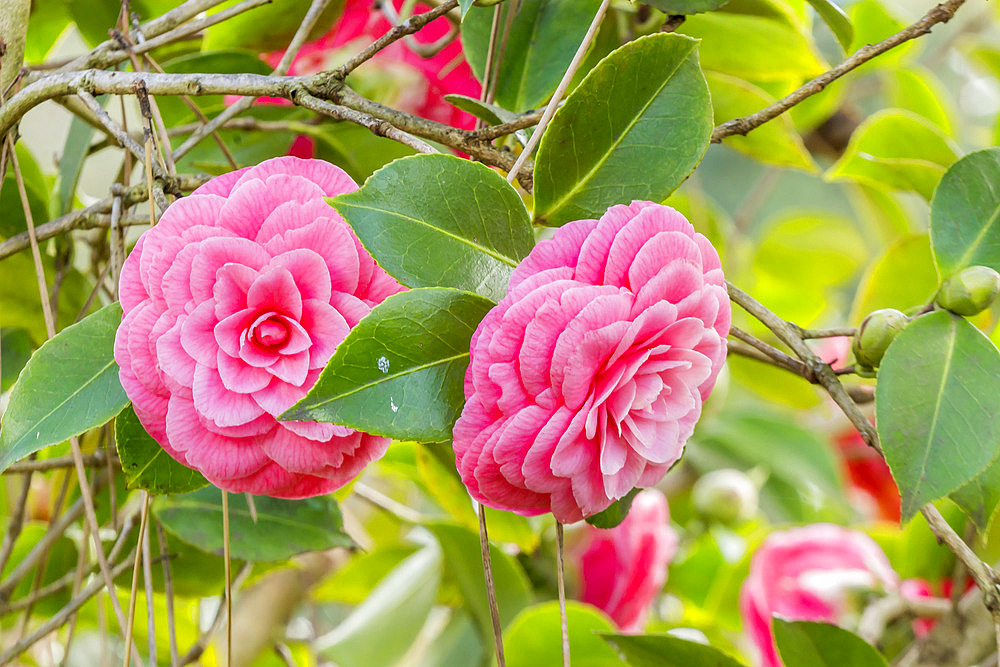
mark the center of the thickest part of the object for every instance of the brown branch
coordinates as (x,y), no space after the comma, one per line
(95,460)
(942,13)
(378,127)
(95,215)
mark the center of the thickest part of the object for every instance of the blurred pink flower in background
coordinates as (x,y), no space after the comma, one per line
(809,574)
(622,569)
(397,76)
(915,589)
(233,303)
(587,379)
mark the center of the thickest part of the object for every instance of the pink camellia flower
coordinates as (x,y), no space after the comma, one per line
(588,377)
(233,304)
(623,568)
(808,574)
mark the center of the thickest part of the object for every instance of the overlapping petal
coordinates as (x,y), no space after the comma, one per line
(587,379)
(233,304)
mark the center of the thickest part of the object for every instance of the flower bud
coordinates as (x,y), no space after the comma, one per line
(727,496)
(874,335)
(970,291)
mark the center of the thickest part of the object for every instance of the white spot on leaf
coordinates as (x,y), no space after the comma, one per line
(383,364)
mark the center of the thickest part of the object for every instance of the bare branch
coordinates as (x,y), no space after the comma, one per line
(942,13)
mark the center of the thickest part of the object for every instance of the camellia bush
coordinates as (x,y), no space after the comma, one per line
(499,332)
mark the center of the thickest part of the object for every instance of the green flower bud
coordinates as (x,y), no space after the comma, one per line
(874,335)
(970,291)
(727,496)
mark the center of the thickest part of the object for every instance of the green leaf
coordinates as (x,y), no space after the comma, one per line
(61,558)
(965,214)
(380,630)
(754,47)
(356,580)
(400,371)
(464,6)
(533,639)
(836,19)
(68,386)
(145,463)
(898,149)
(934,405)
(75,151)
(775,142)
(814,644)
(634,128)
(980,497)
(48,21)
(356,149)
(15,350)
(656,650)
(917,89)
(268,27)
(543,37)
(491,113)
(438,220)
(873,23)
(12,220)
(903,278)
(283,528)
(436,466)
(19,300)
(615,513)
(462,555)
(686,7)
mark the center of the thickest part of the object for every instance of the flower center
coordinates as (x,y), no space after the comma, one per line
(270,333)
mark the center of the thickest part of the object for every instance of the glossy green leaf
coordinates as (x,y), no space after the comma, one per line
(68,386)
(836,19)
(464,6)
(380,630)
(533,639)
(615,513)
(400,371)
(438,220)
(463,560)
(543,37)
(935,407)
(635,128)
(775,142)
(686,7)
(283,528)
(753,47)
(814,644)
(965,214)
(145,463)
(980,497)
(656,650)
(904,278)
(897,149)
(916,89)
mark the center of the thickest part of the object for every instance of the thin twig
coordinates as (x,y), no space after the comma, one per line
(561,581)
(550,109)
(168,593)
(126,660)
(378,127)
(491,591)
(229,587)
(941,13)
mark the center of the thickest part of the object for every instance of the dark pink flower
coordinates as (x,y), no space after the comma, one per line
(808,574)
(622,569)
(588,377)
(400,77)
(233,304)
